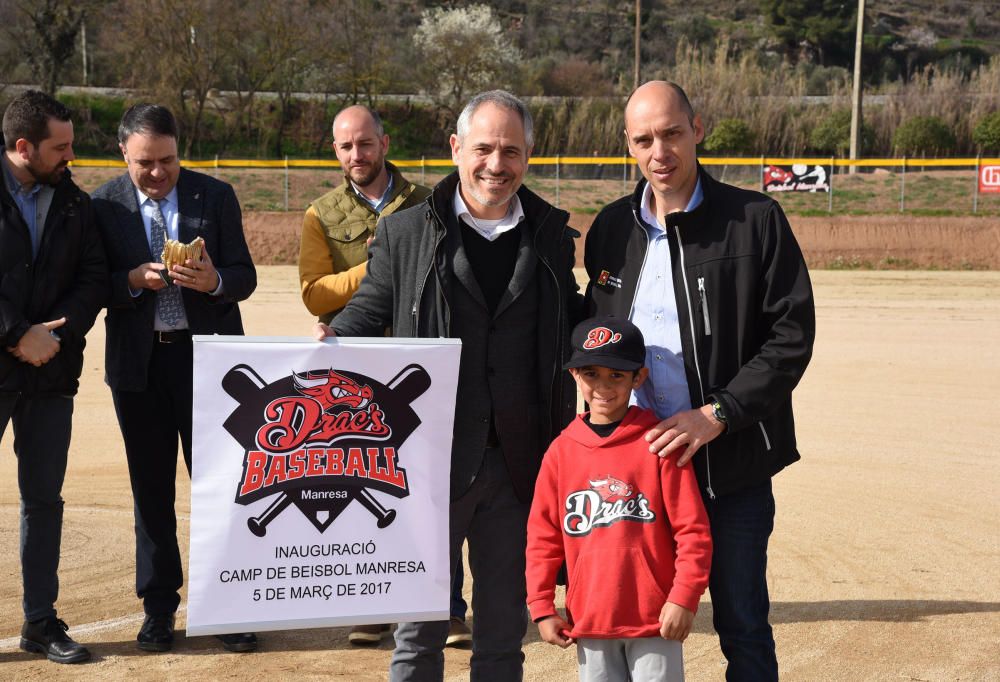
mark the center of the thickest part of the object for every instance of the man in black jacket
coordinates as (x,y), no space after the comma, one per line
(151,317)
(53,282)
(714,278)
(487,261)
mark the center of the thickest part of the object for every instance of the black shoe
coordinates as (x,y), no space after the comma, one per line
(157,632)
(48,636)
(239,642)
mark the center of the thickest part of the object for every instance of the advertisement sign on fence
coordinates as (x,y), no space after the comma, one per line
(796,178)
(989,179)
(319,488)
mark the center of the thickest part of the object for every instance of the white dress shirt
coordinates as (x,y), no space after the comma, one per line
(489,229)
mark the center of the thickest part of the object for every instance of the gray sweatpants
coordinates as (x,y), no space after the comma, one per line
(648,659)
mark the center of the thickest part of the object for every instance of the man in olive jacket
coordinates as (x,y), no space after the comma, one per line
(53,282)
(338,226)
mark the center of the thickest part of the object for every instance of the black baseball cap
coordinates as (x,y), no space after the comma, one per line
(607,342)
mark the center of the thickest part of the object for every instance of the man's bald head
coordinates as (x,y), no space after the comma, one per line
(656,90)
(360,143)
(663,133)
(357,115)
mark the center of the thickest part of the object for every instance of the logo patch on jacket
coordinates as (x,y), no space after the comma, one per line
(606,279)
(607,501)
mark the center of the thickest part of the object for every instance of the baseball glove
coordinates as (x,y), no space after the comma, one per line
(175,253)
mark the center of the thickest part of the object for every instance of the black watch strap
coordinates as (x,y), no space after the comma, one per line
(717,411)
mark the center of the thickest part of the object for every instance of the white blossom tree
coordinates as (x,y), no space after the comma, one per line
(463,51)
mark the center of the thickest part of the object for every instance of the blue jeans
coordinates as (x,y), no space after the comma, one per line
(741,525)
(42,426)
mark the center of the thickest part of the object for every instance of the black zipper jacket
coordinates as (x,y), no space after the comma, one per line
(68,278)
(407,287)
(746,314)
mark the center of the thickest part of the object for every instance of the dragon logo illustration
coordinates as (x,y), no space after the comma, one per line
(611,489)
(332,389)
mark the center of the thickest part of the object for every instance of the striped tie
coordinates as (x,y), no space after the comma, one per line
(169,303)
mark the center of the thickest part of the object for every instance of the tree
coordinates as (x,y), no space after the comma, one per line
(55,26)
(250,63)
(833,134)
(463,51)
(987,133)
(575,77)
(362,57)
(923,135)
(825,28)
(175,51)
(730,136)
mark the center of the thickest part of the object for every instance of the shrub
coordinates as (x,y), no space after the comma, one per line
(923,135)
(987,132)
(576,77)
(730,136)
(833,134)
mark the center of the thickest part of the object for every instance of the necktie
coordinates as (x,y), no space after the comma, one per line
(169,304)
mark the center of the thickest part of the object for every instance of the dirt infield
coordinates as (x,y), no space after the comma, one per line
(886,242)
(885,559)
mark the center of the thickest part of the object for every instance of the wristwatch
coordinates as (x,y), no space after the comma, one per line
(719,414)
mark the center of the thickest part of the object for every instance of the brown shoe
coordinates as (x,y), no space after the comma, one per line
(458,633)
(368,635)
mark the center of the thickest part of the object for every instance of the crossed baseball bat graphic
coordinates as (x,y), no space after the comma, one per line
(242,383)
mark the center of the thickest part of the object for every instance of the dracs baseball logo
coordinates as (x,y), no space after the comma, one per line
(600,336)
(321,439)
(607,501)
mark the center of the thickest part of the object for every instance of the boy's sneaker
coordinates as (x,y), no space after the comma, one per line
(458,633)
(48,636)
(368,635)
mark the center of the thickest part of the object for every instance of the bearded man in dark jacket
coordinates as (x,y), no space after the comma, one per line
(714,278)
(53,282)
(487,261)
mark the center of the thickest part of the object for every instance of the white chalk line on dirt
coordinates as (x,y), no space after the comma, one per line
(82,631)
(98,510)
(101,625)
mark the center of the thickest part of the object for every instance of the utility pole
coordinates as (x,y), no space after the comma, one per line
(83,50)
(856,121)
(638,32)
(633,174)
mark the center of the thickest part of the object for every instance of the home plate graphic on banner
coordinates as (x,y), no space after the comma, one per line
(319,483)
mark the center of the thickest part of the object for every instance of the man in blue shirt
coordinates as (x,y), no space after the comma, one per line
(714,278)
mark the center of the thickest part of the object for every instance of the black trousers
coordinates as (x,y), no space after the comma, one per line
(42,426)
(495,523)
(151,422)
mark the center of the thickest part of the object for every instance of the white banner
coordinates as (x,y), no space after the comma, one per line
(319,490)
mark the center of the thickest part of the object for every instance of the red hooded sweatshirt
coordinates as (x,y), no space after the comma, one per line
(631,527)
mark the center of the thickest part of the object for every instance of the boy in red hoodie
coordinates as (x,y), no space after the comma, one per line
(631,527)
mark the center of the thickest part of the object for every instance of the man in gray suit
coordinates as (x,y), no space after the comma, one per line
(151,317)
(487,261)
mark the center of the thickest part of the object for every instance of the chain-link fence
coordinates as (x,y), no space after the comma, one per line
(582,185)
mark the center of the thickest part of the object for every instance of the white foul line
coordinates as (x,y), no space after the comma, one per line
(78,631)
